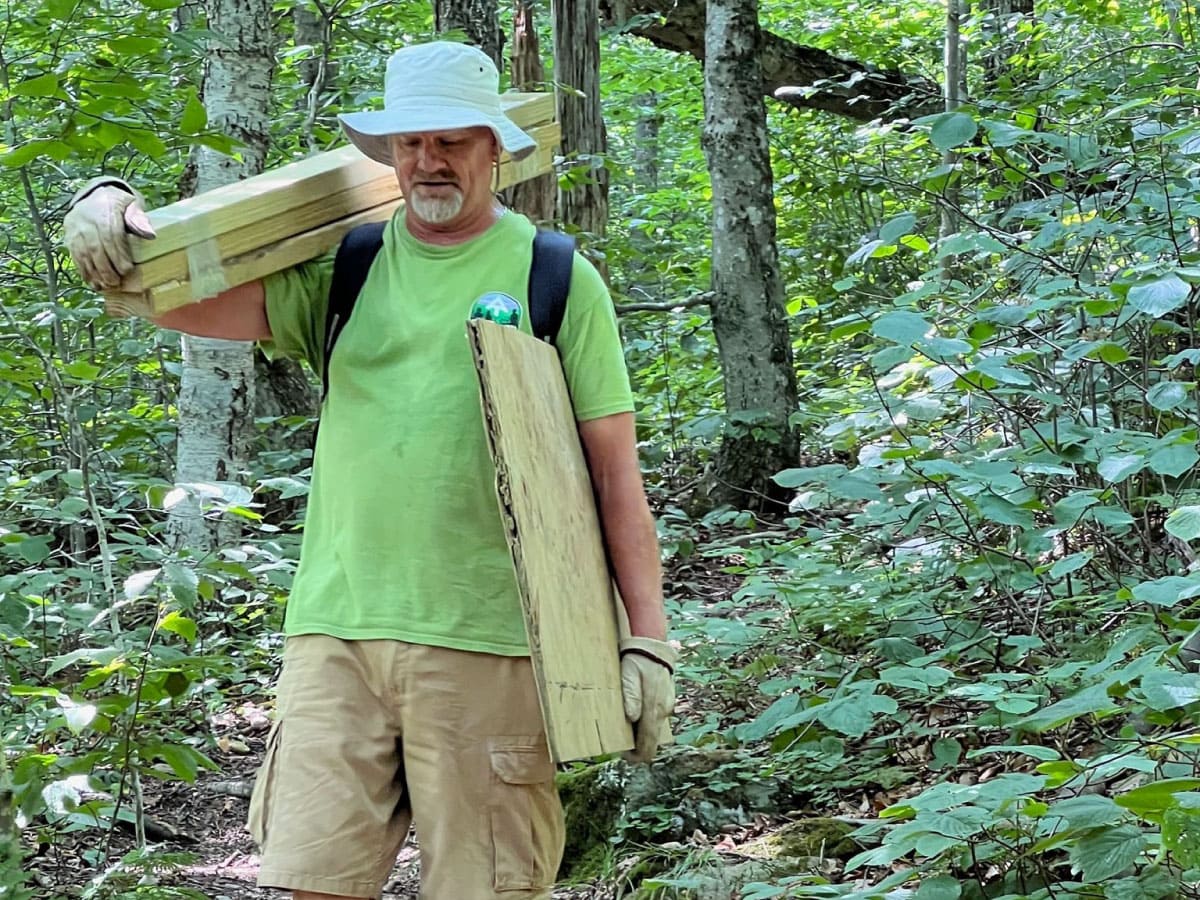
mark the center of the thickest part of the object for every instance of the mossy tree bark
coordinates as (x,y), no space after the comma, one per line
(749,318)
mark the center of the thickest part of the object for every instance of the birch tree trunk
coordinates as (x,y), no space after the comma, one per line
(216,393)
(645,147)
(954,69)
(749,318)
(478,19)
(577,65)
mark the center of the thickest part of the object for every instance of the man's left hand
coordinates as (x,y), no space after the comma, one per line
(648,691)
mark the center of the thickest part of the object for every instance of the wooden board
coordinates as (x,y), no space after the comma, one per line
(249,202)
(316,210)
(252,228)
(546,500)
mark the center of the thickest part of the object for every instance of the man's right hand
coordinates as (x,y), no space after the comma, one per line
(97,230)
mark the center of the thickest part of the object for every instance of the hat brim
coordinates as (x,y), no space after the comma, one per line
(370,131)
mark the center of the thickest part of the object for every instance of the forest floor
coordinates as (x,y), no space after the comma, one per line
(207,819)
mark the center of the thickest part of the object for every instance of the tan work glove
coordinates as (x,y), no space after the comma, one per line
(96,229)
(648,691)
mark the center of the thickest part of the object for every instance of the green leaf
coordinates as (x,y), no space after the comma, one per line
(82,369)
(100,656)
(1152,884)
(902,327)
(1158,297)
(940,887)
(855,715)
(922,679)
(1184,523)
(768,722)
(195,116)
(34,549)
(1166,689)
(1173,461)
(42,86)
(1092,701)
(1116,469)
(184,761)
(1087,810)
(1111,353)
(1156,796)
(849,330)
(1069,564)
(1167,395)
(29,151)
(1107,852)
(1167,591)
(179,624)
(897,228)
(953,130)
(946,753)
(146,142)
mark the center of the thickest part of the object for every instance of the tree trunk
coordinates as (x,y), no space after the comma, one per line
(584,205)
(217,387)
(749,318)
(478,19)
(645,136)
(954,72)
(1001,29)
(538,197)
(314,29)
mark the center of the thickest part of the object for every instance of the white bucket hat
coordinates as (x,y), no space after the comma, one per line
(435,87)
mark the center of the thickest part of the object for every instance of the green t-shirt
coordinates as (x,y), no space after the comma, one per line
(403,537)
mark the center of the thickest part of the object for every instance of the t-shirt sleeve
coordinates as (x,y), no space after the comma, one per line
(296,302)
(590,346)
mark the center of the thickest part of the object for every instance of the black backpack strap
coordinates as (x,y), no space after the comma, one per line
(550,282)
(354,257)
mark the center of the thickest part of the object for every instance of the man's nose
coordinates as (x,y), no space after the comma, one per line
(429,157)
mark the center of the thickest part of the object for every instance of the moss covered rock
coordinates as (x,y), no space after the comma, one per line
(806,838)
(593,799)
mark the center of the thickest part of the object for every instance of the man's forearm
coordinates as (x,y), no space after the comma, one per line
(633,551)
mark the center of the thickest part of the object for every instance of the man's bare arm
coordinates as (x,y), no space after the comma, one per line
(610,445)
(238,314)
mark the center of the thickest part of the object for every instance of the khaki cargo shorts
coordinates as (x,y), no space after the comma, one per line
(370,735)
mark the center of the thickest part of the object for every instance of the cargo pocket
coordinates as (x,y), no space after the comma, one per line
(264,785)
(526,818)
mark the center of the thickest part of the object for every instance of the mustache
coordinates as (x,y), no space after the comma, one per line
(435,179)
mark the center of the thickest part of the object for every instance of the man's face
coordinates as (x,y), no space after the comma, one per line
(446,176)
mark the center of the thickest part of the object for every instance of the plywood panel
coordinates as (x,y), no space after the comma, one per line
(546,500)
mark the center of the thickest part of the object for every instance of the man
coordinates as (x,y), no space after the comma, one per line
(407,688)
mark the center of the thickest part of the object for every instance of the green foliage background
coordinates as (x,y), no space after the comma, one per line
(977,611)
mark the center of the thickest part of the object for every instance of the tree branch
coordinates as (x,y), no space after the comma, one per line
(804,77)
(670,306)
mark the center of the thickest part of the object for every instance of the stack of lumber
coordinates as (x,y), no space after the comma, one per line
(247,230)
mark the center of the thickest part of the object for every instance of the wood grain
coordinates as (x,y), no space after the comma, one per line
(546,500)
(281,239)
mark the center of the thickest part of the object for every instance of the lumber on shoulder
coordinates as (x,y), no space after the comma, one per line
(297,248)
(368,185)
(249,202)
